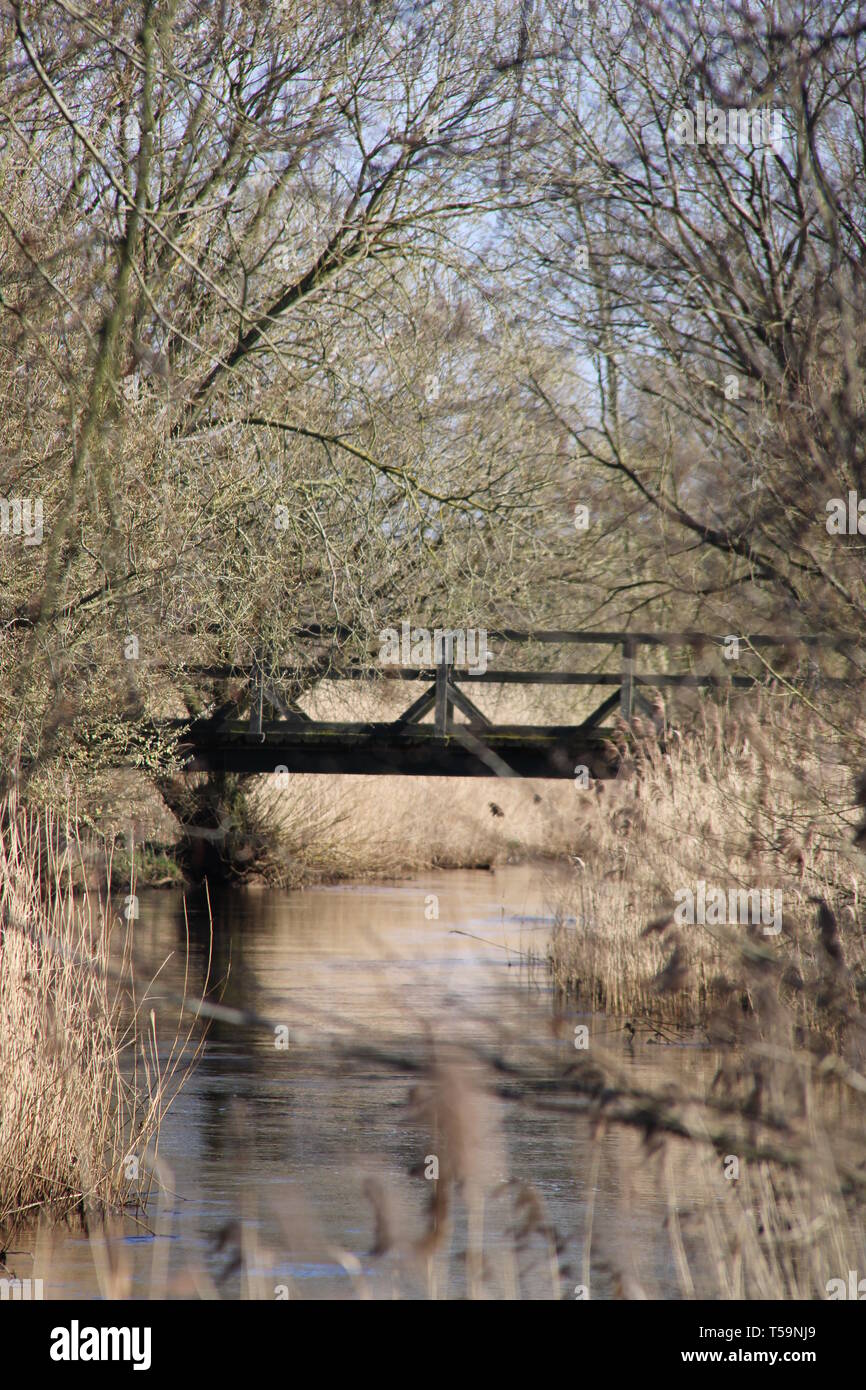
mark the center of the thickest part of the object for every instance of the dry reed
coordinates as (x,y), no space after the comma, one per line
(83,1086)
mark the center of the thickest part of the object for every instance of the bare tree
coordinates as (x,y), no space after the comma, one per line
(245,378)
(689,204)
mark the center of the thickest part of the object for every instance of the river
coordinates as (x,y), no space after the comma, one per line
(282,1134)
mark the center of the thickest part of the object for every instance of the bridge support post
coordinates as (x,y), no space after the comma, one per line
(626,701)
(444,708)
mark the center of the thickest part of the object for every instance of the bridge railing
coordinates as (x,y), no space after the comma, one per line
(444,693)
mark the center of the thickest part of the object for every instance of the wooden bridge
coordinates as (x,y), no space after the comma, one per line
(278,736)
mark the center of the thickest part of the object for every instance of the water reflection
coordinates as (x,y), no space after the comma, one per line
(286,1164)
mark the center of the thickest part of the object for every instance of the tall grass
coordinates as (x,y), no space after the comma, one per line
(746,804)
(82,1085)
(763,800)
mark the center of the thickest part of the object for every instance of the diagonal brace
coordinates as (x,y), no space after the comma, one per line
(466,706)
(419,707)
(604,708)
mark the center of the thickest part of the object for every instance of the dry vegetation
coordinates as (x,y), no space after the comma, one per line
(86,1080)
(749,799)
(383,827)
(762,1201)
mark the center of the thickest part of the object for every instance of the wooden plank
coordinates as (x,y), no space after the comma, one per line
(376,674)
(443,706)
(417,751)
(464,677)
(330,729)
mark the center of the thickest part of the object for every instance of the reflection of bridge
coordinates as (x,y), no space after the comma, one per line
(278,736)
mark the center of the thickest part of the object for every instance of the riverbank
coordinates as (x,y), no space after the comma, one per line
(714,868)
(294,831)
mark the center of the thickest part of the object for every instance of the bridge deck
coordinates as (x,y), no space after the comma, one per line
(414,749)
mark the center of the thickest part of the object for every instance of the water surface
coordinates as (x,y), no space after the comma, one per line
(269,1151)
